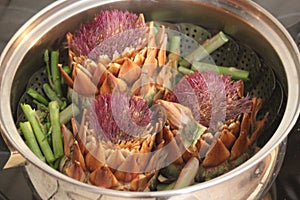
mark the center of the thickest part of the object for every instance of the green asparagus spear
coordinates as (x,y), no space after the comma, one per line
(55,165)
(67,69)
(31,140)
(173,56)
(37,96)
(55,73)
(42,127)
(171,171)
(70,111)
(164,187)
(187,174)
(39,134)
(236,74)
(40,106)
(51,94)
(185,70)
(47,62)
(205,49)
(175,44)
(57,142)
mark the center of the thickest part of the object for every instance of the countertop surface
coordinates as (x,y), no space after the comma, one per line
(14,184)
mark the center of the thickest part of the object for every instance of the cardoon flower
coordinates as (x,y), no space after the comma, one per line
(103,26)
(120,118)
(206,96)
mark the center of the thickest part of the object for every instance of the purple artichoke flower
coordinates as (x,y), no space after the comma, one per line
(118,118)
(105,25)
(212,98)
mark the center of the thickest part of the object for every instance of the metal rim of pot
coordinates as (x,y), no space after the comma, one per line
(57,12)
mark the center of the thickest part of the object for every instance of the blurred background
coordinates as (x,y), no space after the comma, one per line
(14,184)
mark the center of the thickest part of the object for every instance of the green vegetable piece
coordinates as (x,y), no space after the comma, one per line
(40,123)
(51,94)
(192,132)
(153,183)
(164,187)
(47,62)
(205,49)
(43,108)
(185,70)
(63,105)
(31,140)
(66,115)
(39,134)
(236,74)
(171,171)
(67,69)
(55,73)
(187,174)
(200,129)
(57,142)
(175,44)
(212,172)
(37,96)
(55,165)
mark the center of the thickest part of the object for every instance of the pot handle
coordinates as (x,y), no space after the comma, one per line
(9,157)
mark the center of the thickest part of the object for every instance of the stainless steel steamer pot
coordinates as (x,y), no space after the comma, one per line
(243,20)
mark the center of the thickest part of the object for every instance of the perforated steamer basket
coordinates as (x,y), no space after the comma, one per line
(243,20)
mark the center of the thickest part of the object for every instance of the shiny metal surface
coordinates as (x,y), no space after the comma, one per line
(249,184)
(243,20)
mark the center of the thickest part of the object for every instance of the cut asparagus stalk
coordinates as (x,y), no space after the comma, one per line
(40,106)
(57,142)
(171,171)
(174,51)
(66,69)
(55,73)
(31,140)
(48,69)
(51,94)
(69,112)
(164,187)
(236,74)
(185,70)
(174,44)
(39,134)
(205,49)
(187,174)
(37,96)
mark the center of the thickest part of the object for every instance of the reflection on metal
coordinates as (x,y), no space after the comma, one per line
(255,181)
(265,169)
(15,160)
